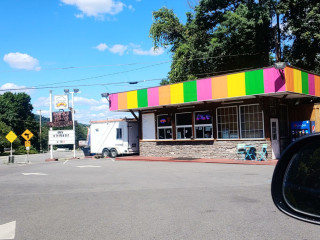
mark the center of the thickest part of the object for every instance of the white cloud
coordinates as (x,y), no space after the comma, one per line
(42,102)
(131,8)
(21,61)
(115,49)
(96,8)
(104,100)
(103,107)
(151,52)
(101,47)
(118,49)
(80,15)
(85,101)
(8,86)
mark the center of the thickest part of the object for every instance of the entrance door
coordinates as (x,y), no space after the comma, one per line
(275,142)
(133,137)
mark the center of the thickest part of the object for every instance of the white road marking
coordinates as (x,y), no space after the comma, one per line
(65,161)
(8,230)
(112,159)
(39,174)
(88,166)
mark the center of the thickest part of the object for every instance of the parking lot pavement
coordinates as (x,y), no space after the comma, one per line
(105,199)
(40,158)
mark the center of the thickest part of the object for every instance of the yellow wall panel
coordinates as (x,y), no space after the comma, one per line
(176,93)
(297,81)
(236,85)
(132,99)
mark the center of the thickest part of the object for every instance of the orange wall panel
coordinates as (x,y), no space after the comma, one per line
(164,95)
(219,87)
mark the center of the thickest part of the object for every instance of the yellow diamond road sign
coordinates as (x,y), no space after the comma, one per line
(27,135)
(11,136)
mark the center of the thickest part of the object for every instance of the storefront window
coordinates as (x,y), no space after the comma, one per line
(227,122)
(184,125)
(203,124)
(164,126)
(251,120)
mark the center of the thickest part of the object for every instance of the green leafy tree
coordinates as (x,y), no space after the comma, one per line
(301,21)
(223,36)
(4,143)
(218,36)
(16,114)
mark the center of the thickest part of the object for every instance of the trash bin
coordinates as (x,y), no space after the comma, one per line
(11,159)
(86,151)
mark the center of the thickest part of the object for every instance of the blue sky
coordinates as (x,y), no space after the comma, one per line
(68,43)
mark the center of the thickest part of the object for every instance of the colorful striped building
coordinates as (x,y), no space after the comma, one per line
(245,107)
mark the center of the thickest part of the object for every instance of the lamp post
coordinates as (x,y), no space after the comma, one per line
(40,127)
(73,125)
(51,146)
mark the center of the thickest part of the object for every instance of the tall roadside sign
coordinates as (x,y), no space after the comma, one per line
(11,136)
(27,135)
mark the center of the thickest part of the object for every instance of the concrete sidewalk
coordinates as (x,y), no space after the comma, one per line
(197,160)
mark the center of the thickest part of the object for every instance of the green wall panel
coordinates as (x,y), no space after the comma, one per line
(254,82)
(190,91)
(143,98)
(305,82)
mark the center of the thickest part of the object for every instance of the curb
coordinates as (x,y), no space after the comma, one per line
(198,160)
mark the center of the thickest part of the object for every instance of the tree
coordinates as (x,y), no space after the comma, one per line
(301,21)
(16,114)
(16,111)
(218,36)
(4,143)
(223,36)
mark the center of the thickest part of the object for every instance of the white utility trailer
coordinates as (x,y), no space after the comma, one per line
(114,137)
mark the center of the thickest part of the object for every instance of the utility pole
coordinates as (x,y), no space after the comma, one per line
(73,127)
(51,146)
(40,128)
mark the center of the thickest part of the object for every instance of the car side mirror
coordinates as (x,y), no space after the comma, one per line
(295,184)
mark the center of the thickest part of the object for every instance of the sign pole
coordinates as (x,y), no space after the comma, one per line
(51,146)
(11,152)
(74,144)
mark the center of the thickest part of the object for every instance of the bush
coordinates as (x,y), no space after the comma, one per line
(22,150)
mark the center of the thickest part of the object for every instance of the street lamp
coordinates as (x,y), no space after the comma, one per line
(75,90)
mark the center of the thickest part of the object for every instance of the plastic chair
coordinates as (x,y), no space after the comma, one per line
(251,153)
(263,154)
(241,151)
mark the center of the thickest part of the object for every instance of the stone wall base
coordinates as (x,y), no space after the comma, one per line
(198,149)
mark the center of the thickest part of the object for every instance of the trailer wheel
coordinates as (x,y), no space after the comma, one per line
(105,153)
(113,153)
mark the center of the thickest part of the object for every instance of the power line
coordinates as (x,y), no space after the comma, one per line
(100,76)
(115,83)
(134,63)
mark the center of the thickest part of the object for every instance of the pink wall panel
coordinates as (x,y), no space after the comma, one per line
(204,89)
(312,90)
(273,81)
(153,97)
(113,98)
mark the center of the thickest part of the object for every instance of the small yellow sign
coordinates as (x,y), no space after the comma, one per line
(27,144)
(27,135)
(11,136)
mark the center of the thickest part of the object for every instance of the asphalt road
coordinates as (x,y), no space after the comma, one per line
(105,199)
(40,158)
